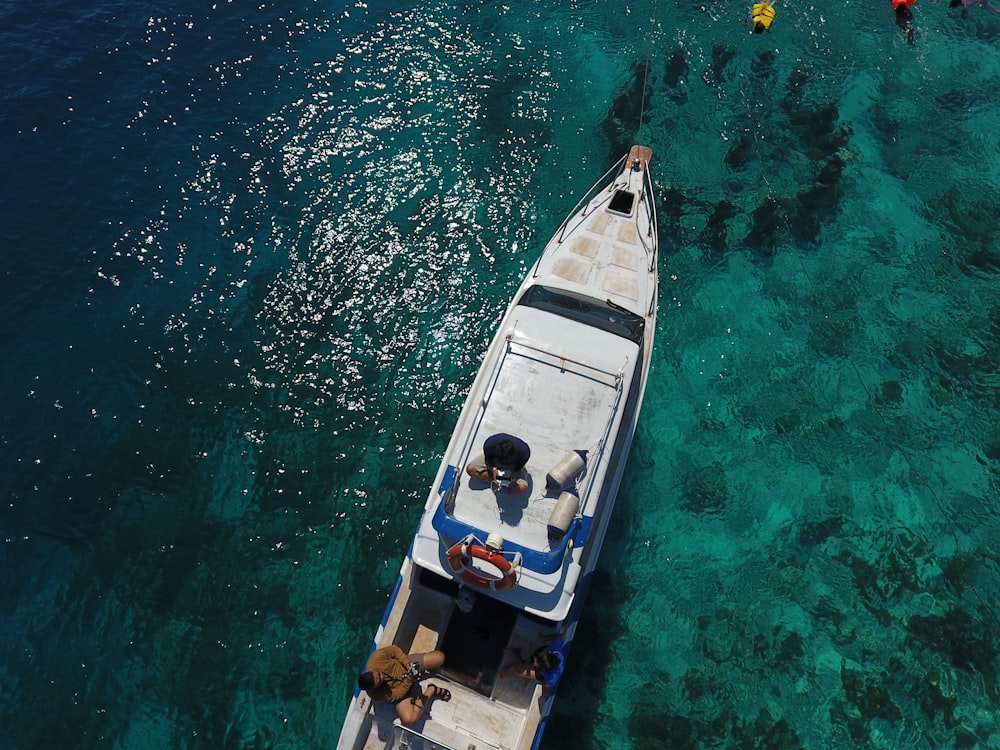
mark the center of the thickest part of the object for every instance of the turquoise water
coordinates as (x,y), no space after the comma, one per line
(252,256)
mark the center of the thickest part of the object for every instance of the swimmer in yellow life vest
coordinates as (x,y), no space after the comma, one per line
(762,15)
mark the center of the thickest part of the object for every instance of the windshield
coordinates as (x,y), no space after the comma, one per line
(602,315)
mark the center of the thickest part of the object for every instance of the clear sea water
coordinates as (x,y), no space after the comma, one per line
(251,254)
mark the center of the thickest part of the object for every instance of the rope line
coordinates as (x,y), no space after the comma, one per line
(645,73)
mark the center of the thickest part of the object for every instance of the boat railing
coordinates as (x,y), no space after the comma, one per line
(466,450)
(617,376)
(601,375)
(596,188)
(646,203)
(654,229)
(597,456)
(544,561)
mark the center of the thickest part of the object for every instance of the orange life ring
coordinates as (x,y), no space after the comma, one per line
(462,551)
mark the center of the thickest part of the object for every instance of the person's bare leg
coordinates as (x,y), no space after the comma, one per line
(430,660)
(410,709)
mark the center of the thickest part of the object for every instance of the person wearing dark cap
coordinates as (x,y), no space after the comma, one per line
(501,463)
(393,676)
(544,665)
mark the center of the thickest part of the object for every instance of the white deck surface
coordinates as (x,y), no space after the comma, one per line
(555,410)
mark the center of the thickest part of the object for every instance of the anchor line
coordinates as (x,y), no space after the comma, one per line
(645,72)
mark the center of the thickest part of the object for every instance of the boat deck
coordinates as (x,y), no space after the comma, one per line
(554,405)
(471,671)
(452,723)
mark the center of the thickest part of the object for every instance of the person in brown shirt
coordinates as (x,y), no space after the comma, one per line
(393,676)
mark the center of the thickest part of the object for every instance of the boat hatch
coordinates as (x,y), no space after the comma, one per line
(404,738)
(622,202)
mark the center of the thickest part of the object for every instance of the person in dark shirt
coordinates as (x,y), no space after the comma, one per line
(544,665)
(501,463)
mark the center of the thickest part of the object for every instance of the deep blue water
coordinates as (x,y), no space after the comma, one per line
(251,255)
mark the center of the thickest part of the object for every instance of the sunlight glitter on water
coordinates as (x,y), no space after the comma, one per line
(312,217)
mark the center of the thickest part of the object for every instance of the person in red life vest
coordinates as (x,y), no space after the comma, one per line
(904,18)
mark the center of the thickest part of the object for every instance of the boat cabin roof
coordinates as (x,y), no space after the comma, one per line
(559,385)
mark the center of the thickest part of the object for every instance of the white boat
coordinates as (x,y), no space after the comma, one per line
(565,372)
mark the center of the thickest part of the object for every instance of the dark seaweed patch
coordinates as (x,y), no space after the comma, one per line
(713,236)
(653,728)
(967,644)
(938,698)
(890,393)
(794,88)
(762,67)
(765,223)
(740,152)
(955,100)
(866,691)
(814,533)
(675,76)
(721,55)
(705,491)
(627,113)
